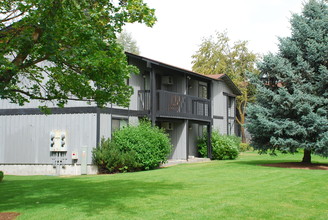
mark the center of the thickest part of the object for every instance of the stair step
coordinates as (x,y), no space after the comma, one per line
(190,160)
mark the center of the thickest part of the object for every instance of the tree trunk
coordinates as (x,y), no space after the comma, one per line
(243,135)
(307,156)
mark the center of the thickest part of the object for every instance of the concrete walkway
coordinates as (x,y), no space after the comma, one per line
(190,160)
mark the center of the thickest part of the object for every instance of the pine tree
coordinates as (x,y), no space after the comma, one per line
(291,111)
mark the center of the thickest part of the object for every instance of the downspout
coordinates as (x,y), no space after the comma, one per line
(209,140)
(187,121)
(209,127)
(98,127)
(227,110)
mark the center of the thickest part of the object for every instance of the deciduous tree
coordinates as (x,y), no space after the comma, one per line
(291,111)
(217,55)
(129,44)
(57,50)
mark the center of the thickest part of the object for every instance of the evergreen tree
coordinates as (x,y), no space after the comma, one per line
(291,111)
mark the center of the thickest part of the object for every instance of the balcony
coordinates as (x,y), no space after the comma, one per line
(176,105)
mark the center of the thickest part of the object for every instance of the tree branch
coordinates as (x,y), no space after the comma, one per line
(72,67)
(51,98)
(28,64)
(20,58)
(8,18)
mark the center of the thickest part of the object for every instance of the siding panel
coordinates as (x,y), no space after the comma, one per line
(24,139)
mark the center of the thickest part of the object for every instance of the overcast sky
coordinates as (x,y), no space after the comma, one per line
(182,24)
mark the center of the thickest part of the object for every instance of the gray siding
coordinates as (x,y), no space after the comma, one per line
(137,82)
(195,131)
(105,126)
(5,104)
(219,106)
(179,140)
(25,138)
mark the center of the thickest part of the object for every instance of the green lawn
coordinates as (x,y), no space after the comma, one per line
(215,190)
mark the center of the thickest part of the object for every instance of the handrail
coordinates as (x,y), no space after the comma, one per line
(176,105)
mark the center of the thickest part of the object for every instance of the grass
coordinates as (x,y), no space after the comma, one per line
(215,190)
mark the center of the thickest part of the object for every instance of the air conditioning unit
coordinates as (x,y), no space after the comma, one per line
(167,126)
(167,80)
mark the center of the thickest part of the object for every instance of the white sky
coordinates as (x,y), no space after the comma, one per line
(182,24)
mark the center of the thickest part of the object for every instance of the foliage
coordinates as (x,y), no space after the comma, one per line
(224,147)
(133,148)
(109,158)
(216,56)
(291,111)
(245,147)
(1,175)
(202,145)
(58,50)
(128,43)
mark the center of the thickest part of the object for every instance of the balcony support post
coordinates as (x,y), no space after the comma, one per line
(187,139)
(152,95)
(209,140)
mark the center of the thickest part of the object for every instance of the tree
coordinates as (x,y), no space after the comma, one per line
(291,110)
(58,50)
(128,43)
(216,56)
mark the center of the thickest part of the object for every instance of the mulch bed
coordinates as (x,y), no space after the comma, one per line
(8,215)
(299,165)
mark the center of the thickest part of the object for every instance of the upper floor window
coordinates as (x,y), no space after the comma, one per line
(202,90)
(230,101)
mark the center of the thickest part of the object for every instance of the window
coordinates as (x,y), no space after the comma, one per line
(118,124)
(231,114)
(202,90)
(201,130)
(230,101)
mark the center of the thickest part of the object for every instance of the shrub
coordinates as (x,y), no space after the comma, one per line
(245,147)
(223,147)
(133,148)
(110,159)
(202,145)
(1,176)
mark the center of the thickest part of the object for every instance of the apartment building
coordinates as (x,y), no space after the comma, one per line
(182,102)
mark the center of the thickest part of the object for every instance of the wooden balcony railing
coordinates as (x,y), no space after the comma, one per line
(144,100)
(176,105)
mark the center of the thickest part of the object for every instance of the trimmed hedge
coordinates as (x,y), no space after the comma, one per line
(133,148)
(223,147)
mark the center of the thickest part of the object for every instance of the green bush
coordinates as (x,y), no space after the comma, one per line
(202,145)
(133,148)
(245,147)
(1,176)
(223,147)
(110,159)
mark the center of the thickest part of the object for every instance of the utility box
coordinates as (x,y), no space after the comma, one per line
(58,141)
(167,80)
(84,163)
(75,155)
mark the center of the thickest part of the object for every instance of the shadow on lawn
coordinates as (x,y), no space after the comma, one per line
(86,194)
(262,162)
